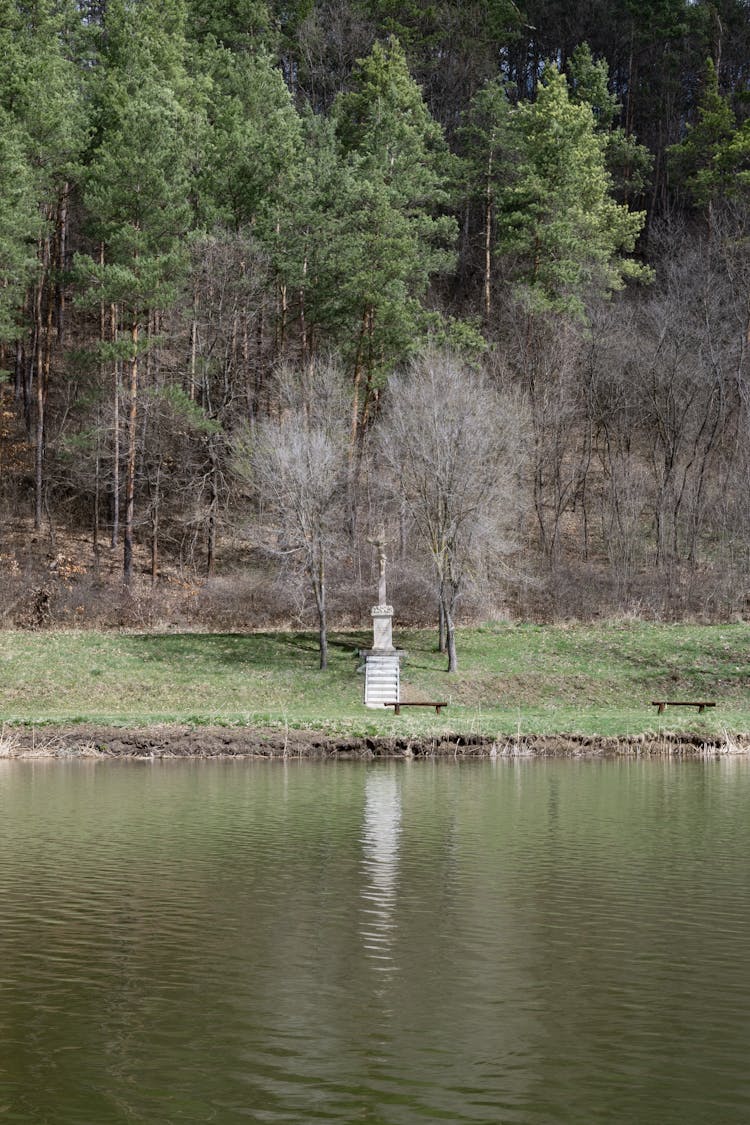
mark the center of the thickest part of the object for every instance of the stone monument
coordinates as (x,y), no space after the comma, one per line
(382,661)
(382,613)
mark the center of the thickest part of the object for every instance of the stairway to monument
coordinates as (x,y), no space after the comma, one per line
(381,679)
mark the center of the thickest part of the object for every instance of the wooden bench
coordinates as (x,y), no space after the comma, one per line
(662,703)
(397,706)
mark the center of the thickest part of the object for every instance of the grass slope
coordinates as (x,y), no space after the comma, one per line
(513,679)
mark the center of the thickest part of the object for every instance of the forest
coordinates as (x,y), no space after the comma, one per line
(279,277)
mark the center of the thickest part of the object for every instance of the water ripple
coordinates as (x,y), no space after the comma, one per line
(537,944)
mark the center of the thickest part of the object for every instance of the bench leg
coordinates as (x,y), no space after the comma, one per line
(397,709)
(701,710)
(661,709)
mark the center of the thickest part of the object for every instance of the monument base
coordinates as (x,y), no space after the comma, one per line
(382,627)
(382,677)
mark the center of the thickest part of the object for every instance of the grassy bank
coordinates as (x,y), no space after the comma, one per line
(512,680)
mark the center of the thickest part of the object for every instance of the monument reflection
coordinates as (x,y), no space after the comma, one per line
(381,837)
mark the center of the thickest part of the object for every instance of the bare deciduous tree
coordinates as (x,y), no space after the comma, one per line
(452,444)
(296,466)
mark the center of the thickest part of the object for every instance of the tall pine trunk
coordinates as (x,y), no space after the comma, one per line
(41,400)
(36,373)
(115,437)
(488,241)
(130,459)
(155,512)
(212,509)
(48,310)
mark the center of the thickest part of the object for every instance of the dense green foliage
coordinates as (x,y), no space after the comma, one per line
(195,197)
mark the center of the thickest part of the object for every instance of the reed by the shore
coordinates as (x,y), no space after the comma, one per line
(165,743)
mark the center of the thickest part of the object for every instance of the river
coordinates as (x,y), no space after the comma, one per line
(536,943)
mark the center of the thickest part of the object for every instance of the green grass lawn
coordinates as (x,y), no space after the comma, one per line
(513,679)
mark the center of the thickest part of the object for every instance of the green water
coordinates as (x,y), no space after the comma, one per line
(542,943)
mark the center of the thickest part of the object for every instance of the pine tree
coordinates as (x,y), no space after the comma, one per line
(628,162)
(452,48)
(394,233)
(563,235)
(40,90)
(236,24)
(20,225)
(706,162)
(254,138)
(303,237)
(137,194)
(490,152)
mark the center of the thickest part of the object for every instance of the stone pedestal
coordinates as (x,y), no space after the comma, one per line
(382,628)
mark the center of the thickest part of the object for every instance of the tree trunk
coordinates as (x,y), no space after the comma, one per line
(319,587)
(304,343)
(127,569)
(193,363)
(213,505)
(488,240)
(44,310)
(258,371)
(96,505)
(39,447)
(42,390)
(354,428)
(115,437)
(354,461)
(155,527)
(102,377)
(61,257)
(450,630)
(283,311)
(442,642)
(18,368)
(35,372)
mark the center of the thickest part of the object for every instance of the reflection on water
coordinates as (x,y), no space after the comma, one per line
(380,842)
(543,943)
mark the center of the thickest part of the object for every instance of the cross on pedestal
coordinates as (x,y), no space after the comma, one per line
(382,613)
(382,560)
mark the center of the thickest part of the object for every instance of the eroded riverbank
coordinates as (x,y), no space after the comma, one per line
(176,742)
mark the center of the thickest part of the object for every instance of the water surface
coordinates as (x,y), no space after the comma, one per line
(541,943)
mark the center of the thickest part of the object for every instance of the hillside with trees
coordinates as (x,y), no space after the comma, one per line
(276,275)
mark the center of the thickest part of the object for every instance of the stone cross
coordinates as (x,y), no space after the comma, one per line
(382,613)
(380,544)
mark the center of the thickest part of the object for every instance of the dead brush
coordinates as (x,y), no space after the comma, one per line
(13,744)
(9,744)
(731,744)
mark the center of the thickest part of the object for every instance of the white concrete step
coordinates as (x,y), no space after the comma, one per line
(382,680)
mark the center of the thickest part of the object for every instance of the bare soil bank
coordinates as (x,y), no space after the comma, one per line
(172,742)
